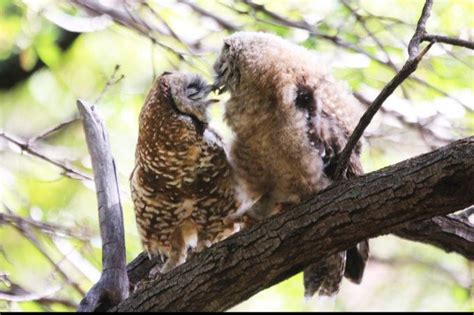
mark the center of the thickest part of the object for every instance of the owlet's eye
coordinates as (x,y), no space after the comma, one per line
(196,88)
(304,97)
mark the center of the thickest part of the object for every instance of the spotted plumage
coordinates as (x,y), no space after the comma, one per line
(182,185)
(290,119)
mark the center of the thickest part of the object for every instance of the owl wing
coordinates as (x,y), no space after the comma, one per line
(326,275)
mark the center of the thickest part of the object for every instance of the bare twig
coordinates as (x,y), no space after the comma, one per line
(222,22)
(129,21)
(49,228)
(361,20)
(408,68)
(420,31)
(111,81)
(24,146)
(26,232)
(113,285)
(45,134)
(448,40)
(338,41)
(422,128)
(17,293)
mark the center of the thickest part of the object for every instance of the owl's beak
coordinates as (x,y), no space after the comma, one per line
(217,89)
(219,86)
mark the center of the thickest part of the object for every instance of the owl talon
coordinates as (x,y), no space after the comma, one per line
(155,272)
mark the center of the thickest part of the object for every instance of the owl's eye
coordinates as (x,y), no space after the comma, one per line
(197,88)
(304,97)
(192,92)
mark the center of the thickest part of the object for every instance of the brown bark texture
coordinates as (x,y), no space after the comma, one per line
(415,190)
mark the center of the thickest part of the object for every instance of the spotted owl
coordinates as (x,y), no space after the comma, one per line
(290,121)
(182,185)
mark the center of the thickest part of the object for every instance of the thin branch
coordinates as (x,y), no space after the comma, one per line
(45,134)
(24,146)
(17,293)
(408,68)
(422,128)
(361,20)
(111,81)
(448,40)
(222,22)
(338,41)
(49,228)
(26,232)
(129,21)
(420,31)
(163,21)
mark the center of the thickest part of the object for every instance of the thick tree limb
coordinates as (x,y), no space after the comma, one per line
(339,217)
(113,285)
(451,233)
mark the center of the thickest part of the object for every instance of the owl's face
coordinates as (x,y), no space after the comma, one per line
(189,94)
(263,70)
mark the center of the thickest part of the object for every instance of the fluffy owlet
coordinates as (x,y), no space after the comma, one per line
(182,185)
(290,120)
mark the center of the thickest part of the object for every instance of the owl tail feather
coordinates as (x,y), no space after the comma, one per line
(356,260)
(324,276)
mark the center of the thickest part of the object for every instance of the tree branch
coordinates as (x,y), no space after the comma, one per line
(24,229)
(451,233)
(17,293)
(408,68)
(48,228)
(448,40)
(339,217)
(122,16)
(113,285)
(24,146)
(420,31)
(222,22)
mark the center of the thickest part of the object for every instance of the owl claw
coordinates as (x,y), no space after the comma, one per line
(243,220)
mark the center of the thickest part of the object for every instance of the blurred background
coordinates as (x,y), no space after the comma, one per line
(109,52)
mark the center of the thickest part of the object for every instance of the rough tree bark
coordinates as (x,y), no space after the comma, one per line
(451,233)
(345,213)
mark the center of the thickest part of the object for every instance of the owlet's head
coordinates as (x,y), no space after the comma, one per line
(189,93)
